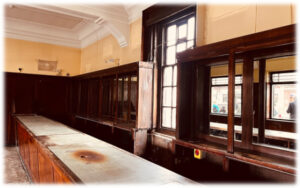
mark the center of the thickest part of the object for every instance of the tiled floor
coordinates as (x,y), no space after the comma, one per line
(14,171)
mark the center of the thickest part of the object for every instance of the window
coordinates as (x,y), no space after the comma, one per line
(219,104)
(283,95)
(219,98)
(179,36)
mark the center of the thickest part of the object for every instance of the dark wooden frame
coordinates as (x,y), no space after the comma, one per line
(271,83)
(269,44)
(177,19)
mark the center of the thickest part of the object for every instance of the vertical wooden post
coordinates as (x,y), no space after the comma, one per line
(231,89)
(100,98)
(247,102)
(261,101)
(129,99)
(116,99)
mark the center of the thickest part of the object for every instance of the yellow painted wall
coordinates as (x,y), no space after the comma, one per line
(93,56)
(230,21)
(214,23)
(25,54)
(272,65)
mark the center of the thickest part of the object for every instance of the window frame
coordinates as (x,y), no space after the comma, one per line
(271,83)
(210,93)
(178,19)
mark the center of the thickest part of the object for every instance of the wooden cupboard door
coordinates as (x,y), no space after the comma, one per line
(59,176)
(26,151)
(34,164)
(45,168)
(21,141)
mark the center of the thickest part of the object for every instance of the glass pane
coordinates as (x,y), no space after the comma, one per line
(224,80)
(171,55)
(219,99)
(175,76)
(190,44)
(167,96)
(174,96)
(181,47)
(238,79)
(284,77)
(167,76)
(219,81)
(182,31)
(166,117)
(171,35)
(133,93)
(283,101)
(218,129)
(191,28)
(238,101)
(174,118)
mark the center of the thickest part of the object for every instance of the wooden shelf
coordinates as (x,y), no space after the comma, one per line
(110,123)
(259,159)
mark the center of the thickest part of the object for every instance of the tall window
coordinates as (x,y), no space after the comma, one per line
(283,95)
(179,36)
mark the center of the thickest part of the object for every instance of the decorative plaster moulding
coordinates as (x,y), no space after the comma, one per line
(97,23)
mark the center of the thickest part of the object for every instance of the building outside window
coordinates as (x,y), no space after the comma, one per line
(179,36)
(282,95)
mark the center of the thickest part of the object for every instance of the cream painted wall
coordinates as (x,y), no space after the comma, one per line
(272,65)
(24,54)
(230,21)
(93,56)
(214,23)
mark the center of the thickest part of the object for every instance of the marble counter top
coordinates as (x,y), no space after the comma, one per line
(95,161)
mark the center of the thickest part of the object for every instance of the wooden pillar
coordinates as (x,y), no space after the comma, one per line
(247,102)
(230,120)
(100,98)
(226,164)
(261,101)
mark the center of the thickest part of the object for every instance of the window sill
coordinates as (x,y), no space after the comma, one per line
(167,132)
(109,122)
(269,161)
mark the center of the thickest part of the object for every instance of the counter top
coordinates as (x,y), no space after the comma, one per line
(93,160)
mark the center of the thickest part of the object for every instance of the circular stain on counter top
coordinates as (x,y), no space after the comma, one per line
(89,156)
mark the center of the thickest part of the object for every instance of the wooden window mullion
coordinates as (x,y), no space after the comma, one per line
(231,94)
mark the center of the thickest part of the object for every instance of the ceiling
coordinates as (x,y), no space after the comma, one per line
(71,25)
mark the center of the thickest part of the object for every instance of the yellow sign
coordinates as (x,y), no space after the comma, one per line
(197,153)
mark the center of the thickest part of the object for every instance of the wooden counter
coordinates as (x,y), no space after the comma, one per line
(55,153)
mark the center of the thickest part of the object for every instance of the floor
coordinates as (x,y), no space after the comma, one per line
(14,171)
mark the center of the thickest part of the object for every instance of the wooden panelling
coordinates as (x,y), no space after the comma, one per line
(34,167)
(247,102)
(144,96)
(45,168)
(59,176)
(261,111)
(184,97)
(42,167)
(35,94)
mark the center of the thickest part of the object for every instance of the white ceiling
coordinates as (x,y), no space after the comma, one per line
(71,25)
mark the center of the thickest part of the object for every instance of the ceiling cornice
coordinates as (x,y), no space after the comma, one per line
(97,22)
